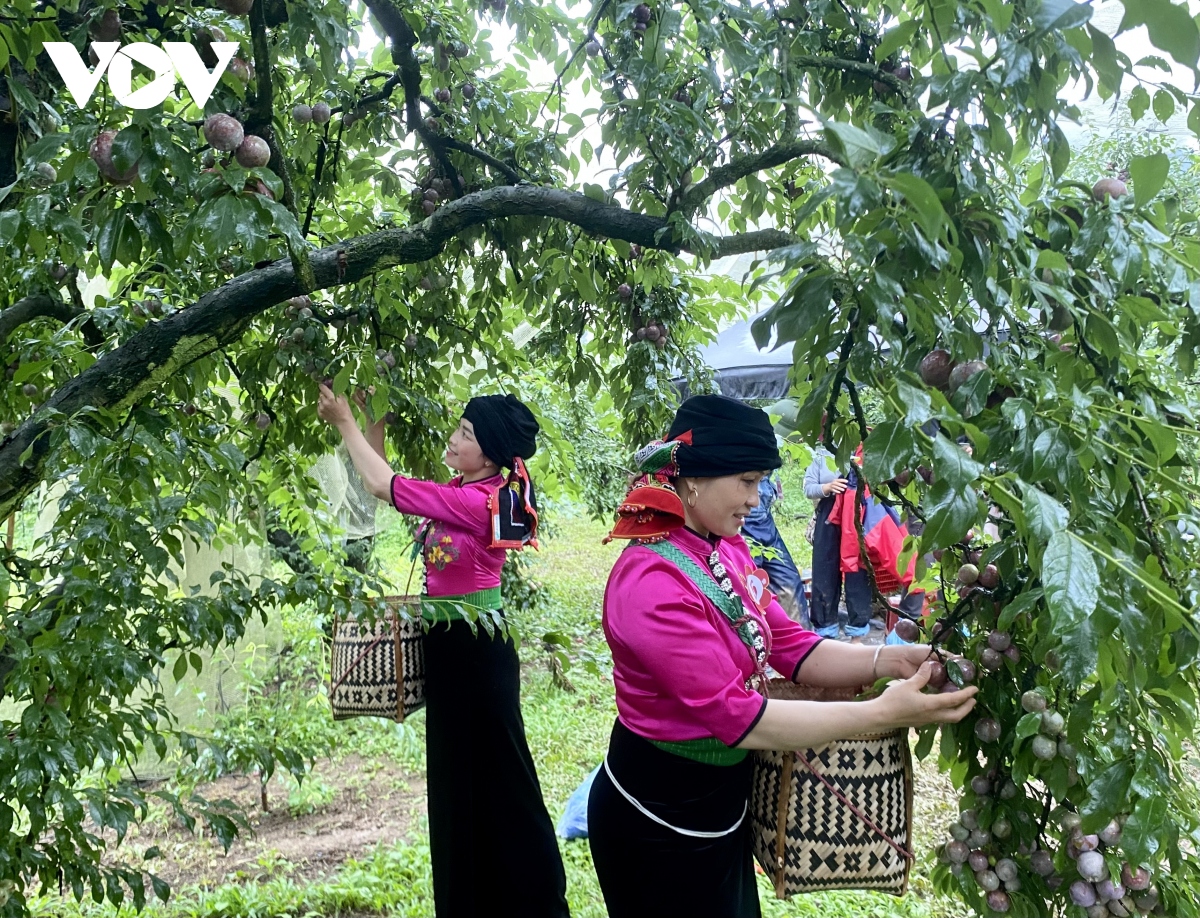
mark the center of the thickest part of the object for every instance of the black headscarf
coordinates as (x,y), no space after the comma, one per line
(727,437)
(504,428)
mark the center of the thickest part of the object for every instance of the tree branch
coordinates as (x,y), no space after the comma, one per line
(862,68)
(404,39)
(37,306)
(510,174)
(730,174)
(139,367)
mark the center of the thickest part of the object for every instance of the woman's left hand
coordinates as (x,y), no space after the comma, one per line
(901,661)
(334,409)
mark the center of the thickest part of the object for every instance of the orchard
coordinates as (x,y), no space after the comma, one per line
(526,192)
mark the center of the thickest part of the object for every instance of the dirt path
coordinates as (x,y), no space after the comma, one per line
(348,807)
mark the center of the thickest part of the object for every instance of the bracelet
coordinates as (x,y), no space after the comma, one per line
(875,662)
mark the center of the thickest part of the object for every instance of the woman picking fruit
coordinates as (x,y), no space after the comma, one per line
(692,630)
(491,840)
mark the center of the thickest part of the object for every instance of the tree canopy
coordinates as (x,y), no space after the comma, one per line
(527,195)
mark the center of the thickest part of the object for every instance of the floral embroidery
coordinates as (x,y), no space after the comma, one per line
(439,547)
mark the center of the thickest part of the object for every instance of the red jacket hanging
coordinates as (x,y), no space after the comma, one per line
(883,534)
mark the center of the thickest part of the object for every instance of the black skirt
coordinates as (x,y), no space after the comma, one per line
(491,840)
(648,869)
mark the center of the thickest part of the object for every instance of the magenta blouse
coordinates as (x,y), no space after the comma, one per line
(679,667)
(457,557)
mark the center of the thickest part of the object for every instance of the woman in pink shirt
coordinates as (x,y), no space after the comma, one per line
(692,630)
(491,840)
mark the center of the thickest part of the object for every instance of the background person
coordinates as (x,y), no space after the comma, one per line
(822,484)
(777,562)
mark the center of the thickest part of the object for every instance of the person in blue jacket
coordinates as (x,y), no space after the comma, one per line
(760,526)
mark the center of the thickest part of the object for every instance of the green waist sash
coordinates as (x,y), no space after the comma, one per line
(448,608)
(709,750)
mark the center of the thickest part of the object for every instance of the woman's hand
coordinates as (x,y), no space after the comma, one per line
(333,409)
(901,661)
(903,704)
(837,486)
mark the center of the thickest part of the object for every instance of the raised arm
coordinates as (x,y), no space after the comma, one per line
(372,467)
(374,436)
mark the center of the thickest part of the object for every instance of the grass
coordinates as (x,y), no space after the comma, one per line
(568,733)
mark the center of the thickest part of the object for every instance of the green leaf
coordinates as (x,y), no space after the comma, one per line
(108,236)
(127,148)
(1107,795)
(921,197)
(862,146)
(1139,839)
(1171,28)
(10,222)
(1044,514)
(953,465)
(1026,602)
(1060,150)
(895,39)
(918,406)
(1069,577)
(1163,105)
(1104,59)
(887,451)
(82,439)
(1028,725)
(1053,15)
(1139,102)
(1051,452)
(1080,646)
(179,670)
(1149,175)
(952,511)
(925,743)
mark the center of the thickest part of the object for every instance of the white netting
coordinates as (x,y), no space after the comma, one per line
(197,698)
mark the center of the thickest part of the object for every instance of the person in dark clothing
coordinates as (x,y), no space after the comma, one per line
(822,484)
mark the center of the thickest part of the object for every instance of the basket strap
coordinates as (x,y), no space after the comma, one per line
(349,669)
(904,852)
(691,833)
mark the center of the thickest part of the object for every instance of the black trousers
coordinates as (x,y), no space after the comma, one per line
(827,576)
(491,841)
(649,871)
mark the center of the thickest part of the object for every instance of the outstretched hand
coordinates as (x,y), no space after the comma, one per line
(333,409)
(901,661)
(908,706)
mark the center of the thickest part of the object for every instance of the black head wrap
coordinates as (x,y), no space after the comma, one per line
(722,436)
(504,428)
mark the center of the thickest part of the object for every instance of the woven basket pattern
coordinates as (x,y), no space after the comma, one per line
(806,839)
(373,667)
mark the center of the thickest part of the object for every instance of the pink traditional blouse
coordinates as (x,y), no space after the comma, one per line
(457,557)
(679,667)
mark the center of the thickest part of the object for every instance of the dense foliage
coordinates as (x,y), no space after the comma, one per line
(431,217)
